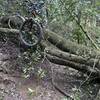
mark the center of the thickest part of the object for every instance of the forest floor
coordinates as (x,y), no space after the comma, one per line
(13,86)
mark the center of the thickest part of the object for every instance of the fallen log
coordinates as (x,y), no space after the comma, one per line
(71,47)
(58,41)
(74,58)
(68,55)
(80,67)
(61,43)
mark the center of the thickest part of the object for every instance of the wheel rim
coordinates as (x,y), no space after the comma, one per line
(32,34)
(18,20)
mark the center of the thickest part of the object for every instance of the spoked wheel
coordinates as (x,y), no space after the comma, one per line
(30,32)
(15,21)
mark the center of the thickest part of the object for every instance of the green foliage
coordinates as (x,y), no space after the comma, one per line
(78,36)
(75,13)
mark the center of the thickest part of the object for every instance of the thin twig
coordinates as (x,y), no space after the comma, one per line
(90,73)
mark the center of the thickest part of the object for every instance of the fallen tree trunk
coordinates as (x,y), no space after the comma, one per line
(61,43)
(74,58)
(68,55)
(80,67)
(71,47)
(56,40)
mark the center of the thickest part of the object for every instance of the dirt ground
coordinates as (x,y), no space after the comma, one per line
(13,86)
